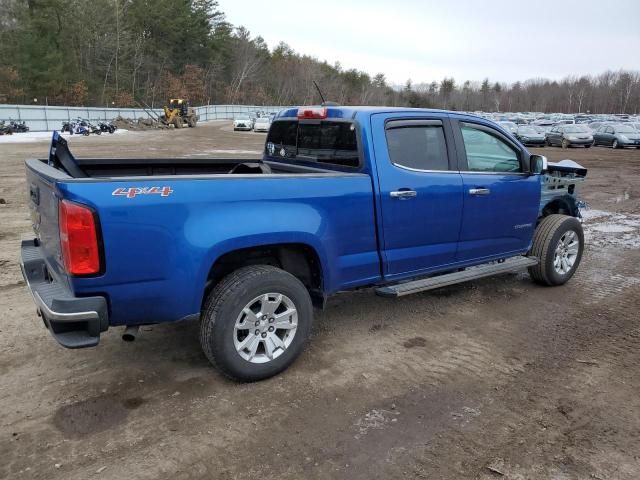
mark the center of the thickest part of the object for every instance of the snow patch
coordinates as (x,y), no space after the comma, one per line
(30,137)
(610,229)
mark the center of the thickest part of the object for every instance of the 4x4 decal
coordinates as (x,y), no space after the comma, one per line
(132,192)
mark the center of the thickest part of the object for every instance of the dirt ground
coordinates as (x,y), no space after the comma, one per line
(497,378)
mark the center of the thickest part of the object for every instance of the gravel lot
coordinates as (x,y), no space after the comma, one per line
(497,378)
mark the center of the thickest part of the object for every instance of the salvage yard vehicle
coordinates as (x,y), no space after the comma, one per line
(511,127)
(567,136)
(400,200)
(529,136)
(243,123)
(617,136)
(261,124)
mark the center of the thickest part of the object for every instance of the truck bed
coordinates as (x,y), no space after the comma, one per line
(154,167)
(64,162)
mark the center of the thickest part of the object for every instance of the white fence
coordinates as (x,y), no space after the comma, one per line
(46,118)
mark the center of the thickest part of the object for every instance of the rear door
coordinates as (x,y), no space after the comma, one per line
(420,192)
(501,200)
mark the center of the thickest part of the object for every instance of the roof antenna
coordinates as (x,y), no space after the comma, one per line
(324,102)
(319,91)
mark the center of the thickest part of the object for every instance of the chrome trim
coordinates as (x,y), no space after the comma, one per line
(402,194)
(523,174)
(479,191)
(50,314)
(423,171)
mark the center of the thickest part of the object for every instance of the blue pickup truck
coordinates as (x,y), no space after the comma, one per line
(399,200)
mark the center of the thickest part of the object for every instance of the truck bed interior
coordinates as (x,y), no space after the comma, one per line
(130,167)
(62,159)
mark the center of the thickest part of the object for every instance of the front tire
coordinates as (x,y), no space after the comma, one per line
(558,244)
(615,144)
(565,143)
(256,322)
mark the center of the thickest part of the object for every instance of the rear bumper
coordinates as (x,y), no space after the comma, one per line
(75,322)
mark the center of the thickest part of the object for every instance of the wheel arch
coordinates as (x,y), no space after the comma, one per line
(301,259)
(564,205)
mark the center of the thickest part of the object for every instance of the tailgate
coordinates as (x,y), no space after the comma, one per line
(43,207)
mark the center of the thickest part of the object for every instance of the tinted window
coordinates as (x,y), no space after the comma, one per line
(281,141)
(488,153)
(326,142)
(418,147)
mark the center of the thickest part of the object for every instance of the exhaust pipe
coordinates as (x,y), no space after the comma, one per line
(129,334)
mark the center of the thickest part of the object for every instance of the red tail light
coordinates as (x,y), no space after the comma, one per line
(312,112)
(78,239)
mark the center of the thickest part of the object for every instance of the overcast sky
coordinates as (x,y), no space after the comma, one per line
(469,40)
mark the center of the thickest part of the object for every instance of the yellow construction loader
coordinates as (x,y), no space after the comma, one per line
(178,112)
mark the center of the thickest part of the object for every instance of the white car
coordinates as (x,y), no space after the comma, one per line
(243,123)
(262,124)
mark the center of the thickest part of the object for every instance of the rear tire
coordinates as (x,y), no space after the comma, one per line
(558,243)
(565,144)
(615,144)
(271,303)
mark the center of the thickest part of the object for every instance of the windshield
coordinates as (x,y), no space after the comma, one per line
(527,130)
(576,129)
(242,119)
(262,120)
(325,141)
(625,129)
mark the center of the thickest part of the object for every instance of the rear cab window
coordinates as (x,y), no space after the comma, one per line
(328,142)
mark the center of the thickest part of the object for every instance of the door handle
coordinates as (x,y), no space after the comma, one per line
(403,194)
(479,191)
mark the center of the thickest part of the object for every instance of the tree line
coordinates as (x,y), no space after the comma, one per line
(120,52)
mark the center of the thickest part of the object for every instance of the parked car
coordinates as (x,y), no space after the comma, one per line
(617,136)
(262,124)
(510,127)
(343,198)
(243,123)
(567,136)
(530,136)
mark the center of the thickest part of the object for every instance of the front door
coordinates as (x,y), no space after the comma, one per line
(501,200)
(420,192)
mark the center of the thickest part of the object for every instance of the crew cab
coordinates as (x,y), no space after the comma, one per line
(396,199)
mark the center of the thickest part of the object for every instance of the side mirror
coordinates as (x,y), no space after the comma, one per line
(537,164)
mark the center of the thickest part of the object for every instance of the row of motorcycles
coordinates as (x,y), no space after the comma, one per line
(81,126)
(12,127)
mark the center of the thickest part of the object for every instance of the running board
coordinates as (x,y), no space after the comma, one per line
(485,270)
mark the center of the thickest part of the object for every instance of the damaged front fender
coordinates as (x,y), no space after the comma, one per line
(559,188)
